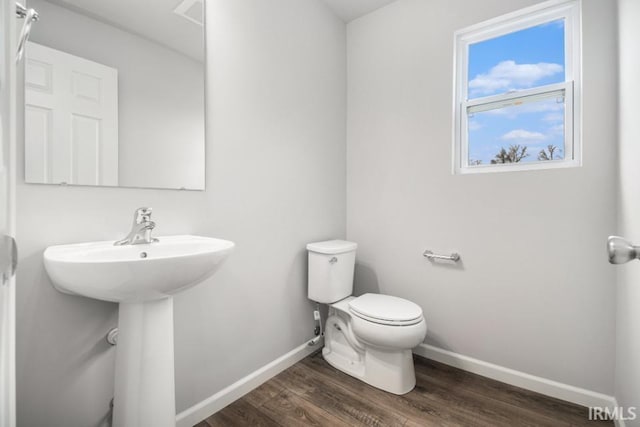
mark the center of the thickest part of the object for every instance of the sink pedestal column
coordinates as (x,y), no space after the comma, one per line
(145,382)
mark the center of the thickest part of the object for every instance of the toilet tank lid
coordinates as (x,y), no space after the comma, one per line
(332,247)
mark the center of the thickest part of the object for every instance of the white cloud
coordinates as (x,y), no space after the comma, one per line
(554,117)
(474,125)
(557,130)
(507,75)
(521,134)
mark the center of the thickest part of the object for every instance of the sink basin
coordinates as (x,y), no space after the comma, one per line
(132,273)
(142,279)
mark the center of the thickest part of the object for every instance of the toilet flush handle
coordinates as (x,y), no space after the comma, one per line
(333,260)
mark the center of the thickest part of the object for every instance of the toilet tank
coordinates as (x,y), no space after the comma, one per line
(331,266)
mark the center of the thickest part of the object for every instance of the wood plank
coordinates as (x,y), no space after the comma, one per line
(291,411)
(424,412)
(437,405)
(346,405)
(241,414)
(264,393)
(314,393)
(484,411)
(536,406)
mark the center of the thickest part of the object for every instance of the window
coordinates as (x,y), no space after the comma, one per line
(517,91)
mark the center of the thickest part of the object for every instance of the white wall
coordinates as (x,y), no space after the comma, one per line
(160,97)
(628,315)
(276,87)
(275,181)
(533,291)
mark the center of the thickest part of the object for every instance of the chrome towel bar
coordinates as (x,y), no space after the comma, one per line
(455,257)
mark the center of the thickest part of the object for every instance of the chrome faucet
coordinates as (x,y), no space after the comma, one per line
(141,229)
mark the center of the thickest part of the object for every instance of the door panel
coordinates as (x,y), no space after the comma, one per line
(39,119)
(71,119)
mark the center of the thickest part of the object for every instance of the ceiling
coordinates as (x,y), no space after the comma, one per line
(348,10)
(156,20)
(151,19)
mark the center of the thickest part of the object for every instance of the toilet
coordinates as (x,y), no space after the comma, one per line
(369,337)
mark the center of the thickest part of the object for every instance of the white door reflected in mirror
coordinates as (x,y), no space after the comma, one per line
(114,94)
(71,112)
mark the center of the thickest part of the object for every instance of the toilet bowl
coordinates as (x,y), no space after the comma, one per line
(371,336)
(374,350)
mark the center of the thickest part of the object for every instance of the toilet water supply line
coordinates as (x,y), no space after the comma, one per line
(318,329)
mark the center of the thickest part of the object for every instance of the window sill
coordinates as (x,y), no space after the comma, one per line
(560,164)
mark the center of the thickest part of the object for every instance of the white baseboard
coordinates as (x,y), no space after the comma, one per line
(569,393)
(619,422)
(228,395)
(213,404)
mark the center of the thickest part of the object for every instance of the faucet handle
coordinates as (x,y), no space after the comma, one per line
(142,215)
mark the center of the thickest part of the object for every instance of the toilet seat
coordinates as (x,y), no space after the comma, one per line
(386,310)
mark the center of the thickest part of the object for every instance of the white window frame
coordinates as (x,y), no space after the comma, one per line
(571,88)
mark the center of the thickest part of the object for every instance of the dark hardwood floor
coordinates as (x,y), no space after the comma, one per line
(312,393)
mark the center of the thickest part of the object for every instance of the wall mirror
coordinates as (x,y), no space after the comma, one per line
(114,94)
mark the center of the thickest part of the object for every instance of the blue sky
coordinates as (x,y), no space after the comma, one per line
(520,60)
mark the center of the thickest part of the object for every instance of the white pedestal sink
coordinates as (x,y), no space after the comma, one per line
(142,279)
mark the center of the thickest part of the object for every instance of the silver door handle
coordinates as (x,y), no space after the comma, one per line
(8,258)
(621,250)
